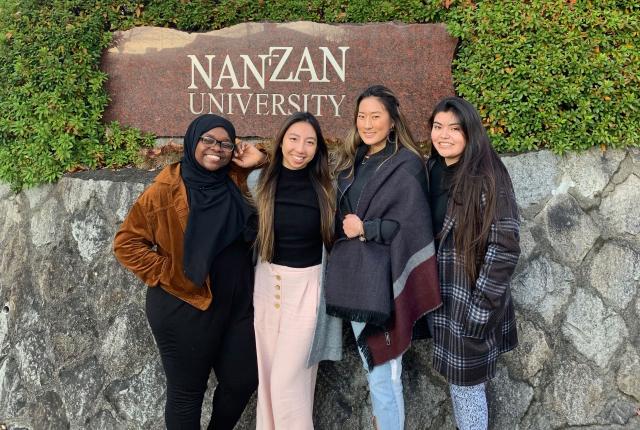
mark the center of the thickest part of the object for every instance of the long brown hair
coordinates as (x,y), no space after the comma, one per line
(321,181)
(400,136)
(479,180)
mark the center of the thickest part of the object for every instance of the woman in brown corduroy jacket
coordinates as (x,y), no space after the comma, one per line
(188,238)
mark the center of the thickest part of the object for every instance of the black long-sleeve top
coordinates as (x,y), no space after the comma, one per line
(298,239)
(439,183)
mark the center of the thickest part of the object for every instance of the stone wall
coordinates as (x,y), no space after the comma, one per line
(76,351)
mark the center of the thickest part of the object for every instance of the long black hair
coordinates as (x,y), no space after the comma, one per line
(478,185)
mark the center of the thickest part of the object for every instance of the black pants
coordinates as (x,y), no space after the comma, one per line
(192,342)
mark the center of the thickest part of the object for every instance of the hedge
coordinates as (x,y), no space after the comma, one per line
(562,75)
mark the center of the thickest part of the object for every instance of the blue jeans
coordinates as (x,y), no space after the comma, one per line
(385,387)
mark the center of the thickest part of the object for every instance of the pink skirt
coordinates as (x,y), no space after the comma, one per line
(285,303)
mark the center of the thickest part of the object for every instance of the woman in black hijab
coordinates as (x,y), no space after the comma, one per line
(187,237)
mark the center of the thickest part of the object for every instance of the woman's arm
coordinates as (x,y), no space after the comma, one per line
(380,230)
(133,246)
(375,230)
(491,287)
(246,158)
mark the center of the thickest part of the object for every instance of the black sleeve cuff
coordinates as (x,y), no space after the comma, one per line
(380,230)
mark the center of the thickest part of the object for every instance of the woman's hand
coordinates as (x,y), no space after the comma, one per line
(248,156)
(352,226)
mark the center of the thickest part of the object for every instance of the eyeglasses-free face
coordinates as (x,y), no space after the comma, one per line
(214,149)
(447,137)
(373,123)
(299,145)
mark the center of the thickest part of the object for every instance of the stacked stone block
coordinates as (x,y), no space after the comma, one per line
(76,351)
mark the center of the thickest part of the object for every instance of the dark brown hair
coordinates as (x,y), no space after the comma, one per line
(321,181)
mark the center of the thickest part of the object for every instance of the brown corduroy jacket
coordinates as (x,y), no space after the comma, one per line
(150,241)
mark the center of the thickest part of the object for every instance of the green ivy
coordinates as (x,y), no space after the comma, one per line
(52,94)
(563,75)
(552,74)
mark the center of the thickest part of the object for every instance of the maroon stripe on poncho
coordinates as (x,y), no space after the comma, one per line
(420,295)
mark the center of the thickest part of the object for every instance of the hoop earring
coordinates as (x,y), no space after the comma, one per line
(394,139)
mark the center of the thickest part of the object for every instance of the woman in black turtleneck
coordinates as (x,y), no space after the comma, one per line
(295,204)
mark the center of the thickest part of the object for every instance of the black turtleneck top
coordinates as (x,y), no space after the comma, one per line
(298,240)
(439,183)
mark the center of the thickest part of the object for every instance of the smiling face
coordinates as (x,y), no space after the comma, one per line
(299,145)
(373,123)
(447,137)
(213,157)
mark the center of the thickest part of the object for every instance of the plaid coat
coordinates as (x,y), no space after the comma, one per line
(477,321)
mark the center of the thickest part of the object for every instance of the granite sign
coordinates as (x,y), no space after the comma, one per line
(258,73)
(270,69)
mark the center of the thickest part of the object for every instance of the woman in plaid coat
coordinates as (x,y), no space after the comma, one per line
(476,219)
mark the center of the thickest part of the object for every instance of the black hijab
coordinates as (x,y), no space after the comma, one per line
(217,211)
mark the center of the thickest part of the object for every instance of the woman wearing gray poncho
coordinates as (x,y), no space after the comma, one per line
(381,273)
